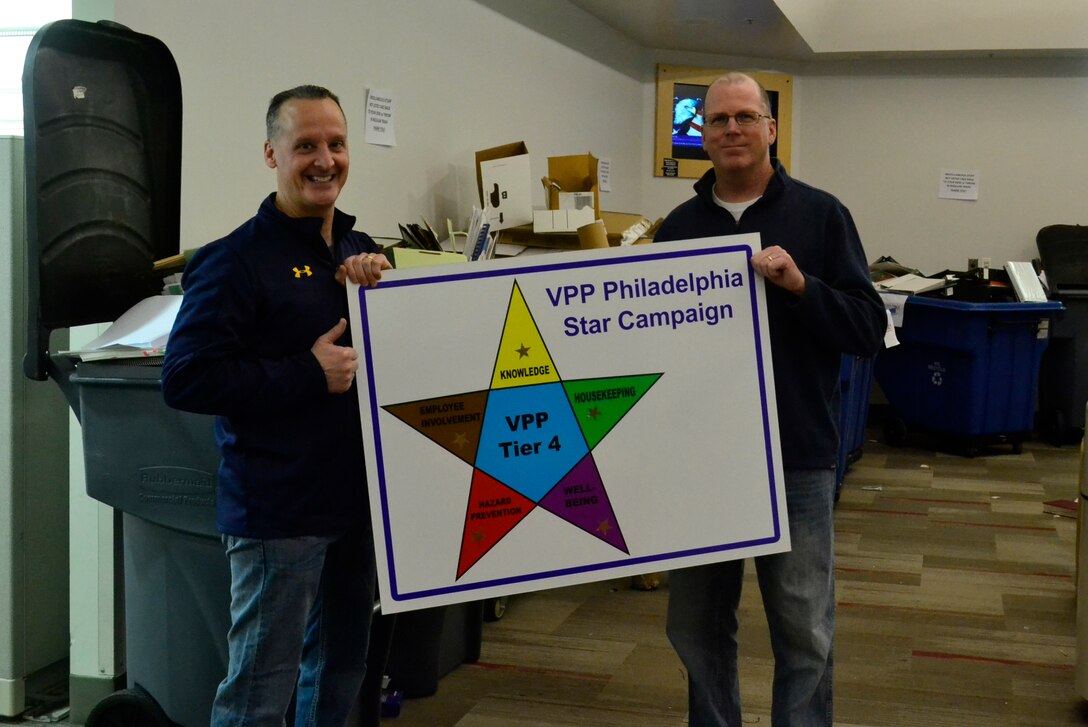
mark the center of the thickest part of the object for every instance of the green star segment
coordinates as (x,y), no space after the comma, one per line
(599,404)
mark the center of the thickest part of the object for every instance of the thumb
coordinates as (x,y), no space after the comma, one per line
(334,333)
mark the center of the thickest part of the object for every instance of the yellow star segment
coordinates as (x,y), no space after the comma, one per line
(604,527)
(529,361)
(460,440)
(594,413)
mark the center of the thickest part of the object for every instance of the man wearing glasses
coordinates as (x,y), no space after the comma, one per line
(820,304)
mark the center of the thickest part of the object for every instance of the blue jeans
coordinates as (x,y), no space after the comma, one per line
(300,619)
(798,590)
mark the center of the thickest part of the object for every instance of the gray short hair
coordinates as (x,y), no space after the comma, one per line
(735,78)
(308,92)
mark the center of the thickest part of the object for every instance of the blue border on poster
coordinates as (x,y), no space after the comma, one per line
(524,271)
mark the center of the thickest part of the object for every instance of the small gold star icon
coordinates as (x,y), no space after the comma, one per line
(460,440)
(594,413)
(604,527)
(523,351)
(478,535)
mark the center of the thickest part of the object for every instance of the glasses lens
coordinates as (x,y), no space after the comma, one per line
(744,118)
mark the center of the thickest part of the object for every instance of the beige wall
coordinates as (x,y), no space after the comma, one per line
(467,76)
(463,77)
(880,134)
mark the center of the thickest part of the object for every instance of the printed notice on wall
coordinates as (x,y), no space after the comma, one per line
(604,175)
(958,184)
(379,118)
(552,422)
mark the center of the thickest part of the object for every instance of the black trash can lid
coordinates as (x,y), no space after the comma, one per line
(102,121)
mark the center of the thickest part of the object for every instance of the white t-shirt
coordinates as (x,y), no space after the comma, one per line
(734,208)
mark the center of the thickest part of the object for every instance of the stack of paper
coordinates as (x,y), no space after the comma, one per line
(142,330)
(910,283)
(1025,282)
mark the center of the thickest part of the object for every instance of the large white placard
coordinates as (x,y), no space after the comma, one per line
(565,418)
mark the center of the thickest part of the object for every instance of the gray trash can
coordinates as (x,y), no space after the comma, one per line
(158,466)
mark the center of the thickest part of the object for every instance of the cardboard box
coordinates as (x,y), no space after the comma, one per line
(616,224)
(504,183)
(569,174)
(621,224)
(563,220)
(576,201)
(524,235)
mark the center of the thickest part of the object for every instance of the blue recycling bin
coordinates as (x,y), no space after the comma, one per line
(966,371)
(855,384)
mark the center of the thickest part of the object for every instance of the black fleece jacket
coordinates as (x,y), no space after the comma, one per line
(839,312)
(255,303)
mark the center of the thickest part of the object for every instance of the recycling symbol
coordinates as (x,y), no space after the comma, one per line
(936,375)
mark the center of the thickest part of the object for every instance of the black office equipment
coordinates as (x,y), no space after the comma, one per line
(1063,386)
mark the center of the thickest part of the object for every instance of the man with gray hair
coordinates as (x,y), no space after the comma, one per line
(820,304)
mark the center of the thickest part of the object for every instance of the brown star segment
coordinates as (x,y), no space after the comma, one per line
(452,422)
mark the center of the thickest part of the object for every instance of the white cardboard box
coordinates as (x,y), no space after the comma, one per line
(561,220)
(503,175)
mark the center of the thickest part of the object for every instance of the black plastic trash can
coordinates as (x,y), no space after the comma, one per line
(430,643)
(1063,386)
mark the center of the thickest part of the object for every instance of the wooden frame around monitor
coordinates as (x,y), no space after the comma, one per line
(667,75)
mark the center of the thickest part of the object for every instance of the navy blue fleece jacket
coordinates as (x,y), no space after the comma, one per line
(840,311)
(255,302)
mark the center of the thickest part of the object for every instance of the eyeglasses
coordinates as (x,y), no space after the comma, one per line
(744,118)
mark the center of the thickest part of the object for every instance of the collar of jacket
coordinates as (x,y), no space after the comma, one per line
(308,227)
(779,179)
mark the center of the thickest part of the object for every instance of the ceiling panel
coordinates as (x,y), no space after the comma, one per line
(815,29)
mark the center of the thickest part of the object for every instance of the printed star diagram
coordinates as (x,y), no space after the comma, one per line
(529,439)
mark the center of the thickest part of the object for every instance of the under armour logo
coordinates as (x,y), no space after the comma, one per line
(304,271)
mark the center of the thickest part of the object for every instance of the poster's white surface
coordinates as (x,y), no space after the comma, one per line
(689,473)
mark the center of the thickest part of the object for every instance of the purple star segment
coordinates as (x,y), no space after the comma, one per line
(529,438)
